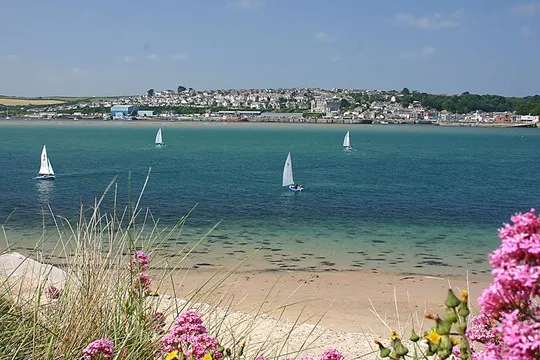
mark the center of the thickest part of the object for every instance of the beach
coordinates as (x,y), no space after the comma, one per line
(282,312)
(338,301)
(347,311)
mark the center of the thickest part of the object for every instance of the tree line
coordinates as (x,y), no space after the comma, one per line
(466,102)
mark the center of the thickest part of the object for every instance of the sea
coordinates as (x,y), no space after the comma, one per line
(408,199)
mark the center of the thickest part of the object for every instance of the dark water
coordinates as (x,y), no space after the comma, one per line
(408,198)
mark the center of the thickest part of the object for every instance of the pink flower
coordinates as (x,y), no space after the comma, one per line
(511,326)
(103,347)
(261,357)
(481,329)
(490,352)
(520,336)
(141,260)
(142,283)
(190,337)
(159,322)
(52,292)
(332,354)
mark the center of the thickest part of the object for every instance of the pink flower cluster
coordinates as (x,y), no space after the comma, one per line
(101,347)
(52,292)
(189,336)
(140,260)
(510,299)
(139,266)
(329,354)
(142,283)
(481,329)
(332,354)
(159,322)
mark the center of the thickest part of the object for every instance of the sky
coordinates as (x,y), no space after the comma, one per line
(121,47)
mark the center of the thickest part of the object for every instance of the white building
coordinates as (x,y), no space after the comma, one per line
(326,105)
(528,118)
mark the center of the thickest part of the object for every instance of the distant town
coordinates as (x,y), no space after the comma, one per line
(291,105)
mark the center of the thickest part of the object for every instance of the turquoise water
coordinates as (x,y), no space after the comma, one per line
(408,199)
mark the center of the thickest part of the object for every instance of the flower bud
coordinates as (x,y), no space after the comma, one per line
(464,309)
(241,350)
(444,354)
(462,328)
(432,347)
(383,351)
(445,344)
(451,316)
(451,300)
(443,327)
(400,349)
(414,336)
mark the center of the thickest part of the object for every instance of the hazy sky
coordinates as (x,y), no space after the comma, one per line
(87,48)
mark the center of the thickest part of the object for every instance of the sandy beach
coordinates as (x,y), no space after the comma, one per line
(340,301)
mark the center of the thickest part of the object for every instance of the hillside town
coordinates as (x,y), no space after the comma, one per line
(281,105)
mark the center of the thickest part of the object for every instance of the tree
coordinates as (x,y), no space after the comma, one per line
(150,92)
(405,91)
(181,89)
(345,104)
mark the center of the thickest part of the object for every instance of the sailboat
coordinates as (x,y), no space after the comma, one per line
(347,142)
(46,171)
(288,176)
(159,138)
(7,114)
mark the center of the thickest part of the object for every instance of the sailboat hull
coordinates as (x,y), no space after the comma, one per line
(298,189)
(347,147)
(160,145)
(45,177)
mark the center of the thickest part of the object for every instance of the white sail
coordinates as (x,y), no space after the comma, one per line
(287,172)
(159,139)
(45,168)
(51,171)
(347,140)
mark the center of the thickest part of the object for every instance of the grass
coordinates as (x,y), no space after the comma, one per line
(97,297)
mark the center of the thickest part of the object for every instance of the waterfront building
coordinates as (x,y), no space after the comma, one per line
(145,113)
(124,110)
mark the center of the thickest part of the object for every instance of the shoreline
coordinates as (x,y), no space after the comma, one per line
(265,122)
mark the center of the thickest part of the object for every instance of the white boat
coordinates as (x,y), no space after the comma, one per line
(159,138)
(347,142)
(7,114)
(46,171)
(288,176)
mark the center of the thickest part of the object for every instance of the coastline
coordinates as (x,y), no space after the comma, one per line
(178,123)
(255,122)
